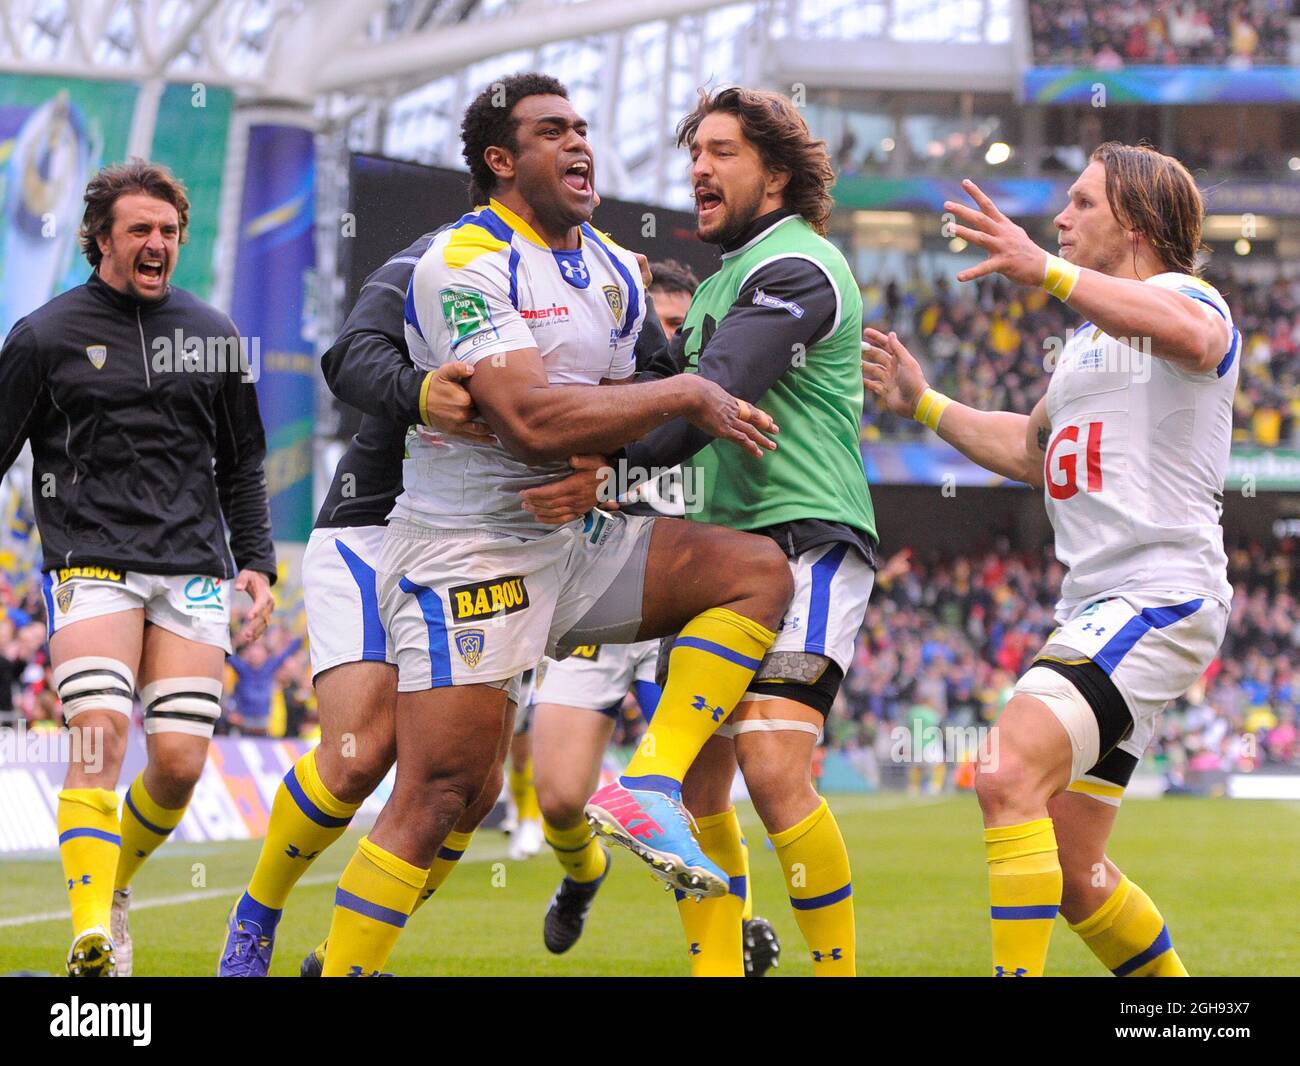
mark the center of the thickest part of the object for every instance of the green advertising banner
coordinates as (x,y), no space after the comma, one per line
(54,134)
(1263,470)
(193,125)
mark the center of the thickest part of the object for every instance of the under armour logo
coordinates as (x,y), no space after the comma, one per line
(834,955)
(1088,627)
(1019,971)
(357,971)
(84,879)
(695,947)
(574,269)
(701,704)
(293,853)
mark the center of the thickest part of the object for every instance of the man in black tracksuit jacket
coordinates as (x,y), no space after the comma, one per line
(148,452)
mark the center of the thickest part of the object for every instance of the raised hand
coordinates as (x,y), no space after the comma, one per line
(1011,251)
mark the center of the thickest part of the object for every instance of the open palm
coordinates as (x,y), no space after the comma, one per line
(890,372)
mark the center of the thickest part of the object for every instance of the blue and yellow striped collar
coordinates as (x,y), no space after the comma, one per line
(516,223)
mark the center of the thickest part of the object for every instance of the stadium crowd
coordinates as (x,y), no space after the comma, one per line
(989,345)
(942,644)
(1107,36)
(945,639)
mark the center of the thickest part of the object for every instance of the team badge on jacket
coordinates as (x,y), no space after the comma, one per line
(469,642)
(97,354)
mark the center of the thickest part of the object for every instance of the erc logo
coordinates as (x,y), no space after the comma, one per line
(501,596)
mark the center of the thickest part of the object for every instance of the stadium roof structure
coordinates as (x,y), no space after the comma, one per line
(394,75)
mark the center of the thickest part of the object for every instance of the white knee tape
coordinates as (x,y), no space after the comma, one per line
(1071,710)
(774,725)
(94,682)
(188,705)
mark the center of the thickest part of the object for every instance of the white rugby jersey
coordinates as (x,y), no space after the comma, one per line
(489,284)
(1136,462)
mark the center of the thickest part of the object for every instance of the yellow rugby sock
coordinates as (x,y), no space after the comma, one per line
(748,910)
(711,664)
(305,820)
(817,876)
(713,930)
(577,850)
(145,825)
(448,856)
(523,792)
(1129,937)
(375,896)
(444,862)
(1025,895)
(89,843)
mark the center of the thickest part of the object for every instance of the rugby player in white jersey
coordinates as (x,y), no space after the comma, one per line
(1131,445)
(472,588)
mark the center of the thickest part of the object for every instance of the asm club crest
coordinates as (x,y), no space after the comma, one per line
(64,597)
(614,297)
(97,354)
(469,642)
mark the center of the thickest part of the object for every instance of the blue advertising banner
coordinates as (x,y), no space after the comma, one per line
(1029,197)
(1163,85)
(275,253)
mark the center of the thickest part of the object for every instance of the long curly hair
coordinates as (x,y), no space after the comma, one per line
(774,126)
(1154,194)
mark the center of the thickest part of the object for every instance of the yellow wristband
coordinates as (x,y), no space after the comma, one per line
(930,408)
(424,398)
(1060,277)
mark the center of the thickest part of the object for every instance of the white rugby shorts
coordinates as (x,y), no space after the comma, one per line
(466,607)
(193,606)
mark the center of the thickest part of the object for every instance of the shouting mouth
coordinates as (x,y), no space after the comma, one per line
(578,177)
(150,271)
(707,203)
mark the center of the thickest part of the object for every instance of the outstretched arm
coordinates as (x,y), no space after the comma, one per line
(538,422)
(1008,444)
(1181,329)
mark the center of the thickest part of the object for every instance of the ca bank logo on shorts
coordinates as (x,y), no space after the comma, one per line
(484,599)
(470,644)
(203,594)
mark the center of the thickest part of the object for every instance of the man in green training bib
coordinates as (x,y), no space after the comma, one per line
(779,325)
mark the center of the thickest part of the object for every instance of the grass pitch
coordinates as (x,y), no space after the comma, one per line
(1225,873)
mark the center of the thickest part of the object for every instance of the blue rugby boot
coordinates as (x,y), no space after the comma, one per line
(657,829)
(248,950)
